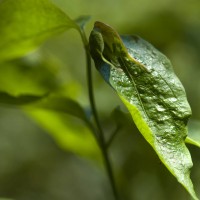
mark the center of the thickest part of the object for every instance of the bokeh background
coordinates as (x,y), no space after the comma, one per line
(46,155)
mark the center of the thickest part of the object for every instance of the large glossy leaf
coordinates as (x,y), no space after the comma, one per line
(145,81)
(27,23)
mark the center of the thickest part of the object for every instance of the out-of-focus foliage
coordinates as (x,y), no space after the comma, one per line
(69,133)
(6,98)
(38,20)
(34,166)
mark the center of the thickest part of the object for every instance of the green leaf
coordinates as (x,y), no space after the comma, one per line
(69,133)
(25,24)
(192,141)
(145,81)
(193,133)
(46,102)
(32,74)
(121,118)
(8,99)
(62,105)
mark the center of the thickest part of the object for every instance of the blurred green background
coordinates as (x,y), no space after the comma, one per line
(46,155)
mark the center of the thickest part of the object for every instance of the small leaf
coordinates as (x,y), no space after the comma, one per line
(8,99)
(193,133)
(27,23)
(144,80)
(192,141)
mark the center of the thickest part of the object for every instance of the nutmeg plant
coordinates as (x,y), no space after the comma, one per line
(142,77)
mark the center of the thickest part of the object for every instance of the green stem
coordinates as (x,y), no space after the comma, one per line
(100,135)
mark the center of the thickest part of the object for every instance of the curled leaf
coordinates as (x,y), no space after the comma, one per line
(145,81)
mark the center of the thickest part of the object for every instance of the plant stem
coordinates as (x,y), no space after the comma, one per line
(100,135)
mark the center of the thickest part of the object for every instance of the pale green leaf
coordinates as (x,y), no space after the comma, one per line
(145,81)
(27,23)
(69,133)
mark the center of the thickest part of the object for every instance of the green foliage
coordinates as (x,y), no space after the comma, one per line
(66,121)
(193,133)
(6,98)
(69,133)
(44,89)
(63,105)
(27,23)
(32,75)
(145,81)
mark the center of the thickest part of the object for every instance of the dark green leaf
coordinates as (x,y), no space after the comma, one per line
(27,23)
(121,118)
(53,103)
(63,105)
(144,80)
(8,99)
